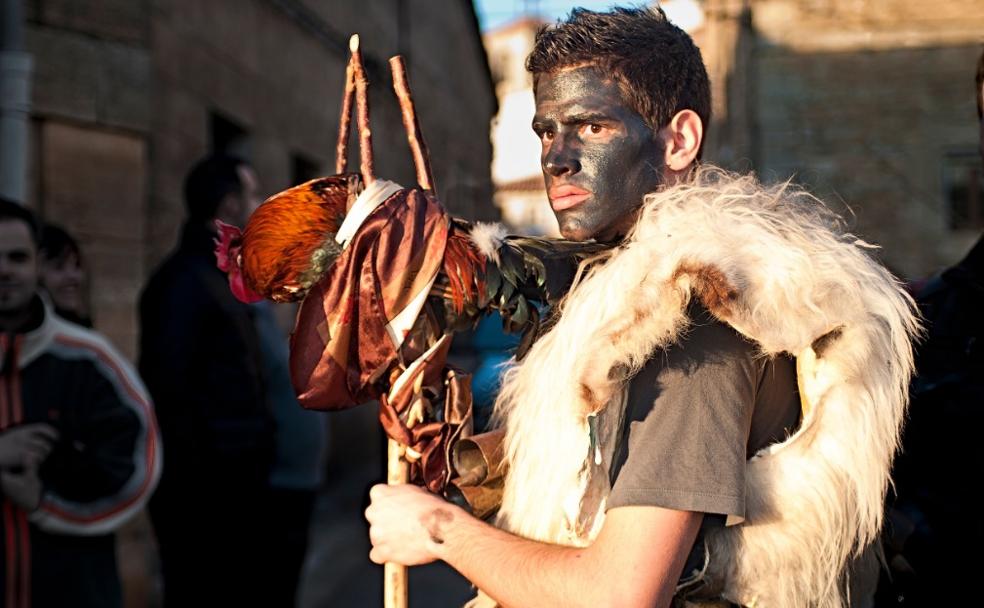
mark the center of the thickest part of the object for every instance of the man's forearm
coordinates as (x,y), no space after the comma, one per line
(635,560)
(519,572)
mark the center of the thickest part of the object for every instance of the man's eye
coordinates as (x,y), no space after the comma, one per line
(591,128)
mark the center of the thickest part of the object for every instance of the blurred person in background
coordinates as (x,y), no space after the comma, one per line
(298,467)
(63,275)
(201,356)
(298,470)
(934,521)
(79,451)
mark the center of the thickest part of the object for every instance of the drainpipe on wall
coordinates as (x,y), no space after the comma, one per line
(15,102)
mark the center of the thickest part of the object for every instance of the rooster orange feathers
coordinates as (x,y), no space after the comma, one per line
(289,241)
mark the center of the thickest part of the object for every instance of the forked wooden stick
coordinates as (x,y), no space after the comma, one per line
(345,121)
(421,160)
(362,112)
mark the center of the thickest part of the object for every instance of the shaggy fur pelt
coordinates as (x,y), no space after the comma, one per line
(775,264)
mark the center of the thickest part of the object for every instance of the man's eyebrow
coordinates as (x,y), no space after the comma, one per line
(573,119)
(584,117)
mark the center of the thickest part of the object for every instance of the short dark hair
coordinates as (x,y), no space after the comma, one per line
(655,63)
(208,182)
(11,211)
(57,244)
(980,82)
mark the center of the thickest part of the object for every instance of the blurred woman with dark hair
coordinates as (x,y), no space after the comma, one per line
(63,275)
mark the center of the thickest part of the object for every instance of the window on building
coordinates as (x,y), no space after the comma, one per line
(227,136)
(963,190)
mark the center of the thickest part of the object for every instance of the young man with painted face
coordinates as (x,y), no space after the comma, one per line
(629,424)
(607,141)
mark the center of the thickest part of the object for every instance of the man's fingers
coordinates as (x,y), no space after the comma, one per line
(40,444)
(24,490)
(377,491)
(44,430)
(33,460)
(374,535)
(39,449)
(376,556)
(38,431)
(12,483)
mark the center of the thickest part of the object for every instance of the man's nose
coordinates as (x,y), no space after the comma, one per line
(561,158)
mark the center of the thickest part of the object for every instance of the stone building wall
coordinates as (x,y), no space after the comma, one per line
(870,104)
(91,113)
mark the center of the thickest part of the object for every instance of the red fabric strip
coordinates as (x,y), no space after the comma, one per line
(4,406)
(17,416)
(11,554)
(25,559)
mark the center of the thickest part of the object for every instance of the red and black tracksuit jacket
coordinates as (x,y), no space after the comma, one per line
(99,474)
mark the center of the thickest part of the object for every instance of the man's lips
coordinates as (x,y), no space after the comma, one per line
(566,196)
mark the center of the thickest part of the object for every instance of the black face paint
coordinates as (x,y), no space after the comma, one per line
(599,157)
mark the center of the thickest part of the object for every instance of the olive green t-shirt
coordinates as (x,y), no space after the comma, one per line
(695,413)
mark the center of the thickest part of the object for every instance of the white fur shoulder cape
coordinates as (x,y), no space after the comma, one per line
(775,264)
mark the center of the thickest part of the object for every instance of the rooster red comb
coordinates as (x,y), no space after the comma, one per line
(228,248)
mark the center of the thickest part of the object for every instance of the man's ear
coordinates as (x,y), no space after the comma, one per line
(682,137)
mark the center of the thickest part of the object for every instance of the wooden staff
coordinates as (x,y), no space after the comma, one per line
(345,121)
(362,112)
(395,575)
(421,160)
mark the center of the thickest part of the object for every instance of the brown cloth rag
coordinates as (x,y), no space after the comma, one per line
(351,326)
